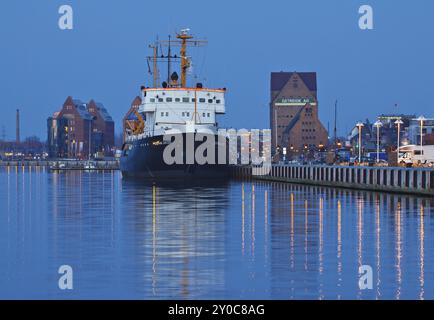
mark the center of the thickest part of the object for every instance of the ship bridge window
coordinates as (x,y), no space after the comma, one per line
(193,99)
(162,114)
(203,114)
(217,101)
(202,100)
(207,115)
(169,100)
(160,100)
(152,100)
(185,100)
(210,101)
(177,99)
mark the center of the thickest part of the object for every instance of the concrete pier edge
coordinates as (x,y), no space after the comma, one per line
(410,181)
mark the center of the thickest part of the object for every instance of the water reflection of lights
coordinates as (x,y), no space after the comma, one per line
(398,250)
(253,221)
(422,252)
(321,235)
(321,247)
(266,224)
(360,231)
(292,233)
(196,249)
(359,235)
(305,235)
(378,245)
(339,246)
(242,219)
(154,239)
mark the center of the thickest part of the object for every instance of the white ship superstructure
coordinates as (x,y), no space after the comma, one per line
(170,110)
(184,110)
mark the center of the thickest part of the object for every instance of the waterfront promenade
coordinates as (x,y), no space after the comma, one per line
(64,164)
(416,181)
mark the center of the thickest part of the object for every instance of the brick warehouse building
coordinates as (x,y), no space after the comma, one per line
(294,113)
(77,123)
(103,127)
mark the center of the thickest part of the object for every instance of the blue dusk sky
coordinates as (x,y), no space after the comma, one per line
(103,57)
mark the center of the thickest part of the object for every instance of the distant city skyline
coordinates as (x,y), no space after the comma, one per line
(370,72)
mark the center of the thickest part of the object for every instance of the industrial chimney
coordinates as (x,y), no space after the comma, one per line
(18,126)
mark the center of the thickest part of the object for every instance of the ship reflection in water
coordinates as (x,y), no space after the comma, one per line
(129,239)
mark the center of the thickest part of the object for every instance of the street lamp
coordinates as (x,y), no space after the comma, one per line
(360,126)
(378,125)
(421,119)
(399,122)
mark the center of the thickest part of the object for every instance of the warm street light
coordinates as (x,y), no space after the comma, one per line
(378,125)
(398,122)
(421,119)
(360,126)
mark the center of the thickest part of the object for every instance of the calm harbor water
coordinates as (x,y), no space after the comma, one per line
(236,240)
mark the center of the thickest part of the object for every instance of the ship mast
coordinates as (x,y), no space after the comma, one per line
(184,39)
(154,71)
(169,56)
(185,62)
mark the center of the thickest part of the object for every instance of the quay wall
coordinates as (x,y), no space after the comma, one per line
(68,164)
(416,181)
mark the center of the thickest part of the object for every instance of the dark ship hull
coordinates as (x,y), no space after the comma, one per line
(143,158)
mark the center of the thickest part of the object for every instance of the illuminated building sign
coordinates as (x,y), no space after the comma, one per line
(295,101)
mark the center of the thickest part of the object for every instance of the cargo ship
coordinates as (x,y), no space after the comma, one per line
(174,121)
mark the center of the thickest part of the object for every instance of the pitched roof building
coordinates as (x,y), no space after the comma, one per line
(294,117)
(80,129)
(103,128)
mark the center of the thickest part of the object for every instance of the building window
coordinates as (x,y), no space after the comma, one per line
(169,100)
(208,115)
(183,114)
(193,99)
(217,101)
(177,100)
(185,100)
(160,100)
(210,101)
(202,100)
(167,114)
(203,114)
(162,114)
